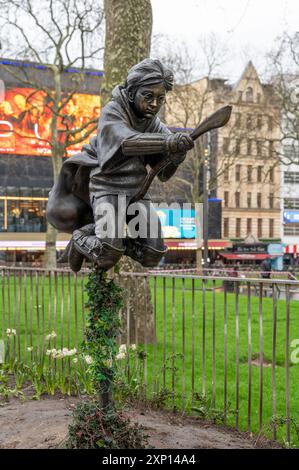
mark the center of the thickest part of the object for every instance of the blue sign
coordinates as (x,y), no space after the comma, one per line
(275,249)
(177,223)
(291,217)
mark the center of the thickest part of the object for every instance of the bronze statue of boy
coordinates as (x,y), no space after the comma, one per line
(130,138)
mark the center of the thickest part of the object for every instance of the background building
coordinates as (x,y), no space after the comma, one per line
(26,174)
(242,164)
(250,183)
(244,168)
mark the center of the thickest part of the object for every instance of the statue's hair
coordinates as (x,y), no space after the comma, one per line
(149,72)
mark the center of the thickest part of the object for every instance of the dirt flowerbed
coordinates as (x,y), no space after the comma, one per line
(43,424)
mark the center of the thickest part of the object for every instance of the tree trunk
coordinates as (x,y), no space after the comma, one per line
(50,251)
(127,40)
(58,150)
(51,234)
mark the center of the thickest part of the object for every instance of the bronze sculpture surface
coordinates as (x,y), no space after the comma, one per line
(113,167)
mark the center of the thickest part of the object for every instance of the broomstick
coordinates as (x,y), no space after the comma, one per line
(217,119)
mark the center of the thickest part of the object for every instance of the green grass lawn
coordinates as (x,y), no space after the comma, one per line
(194,371)
(36,312)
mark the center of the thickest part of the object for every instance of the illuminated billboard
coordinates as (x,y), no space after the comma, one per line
(291,217)
(25,120)
(177,223)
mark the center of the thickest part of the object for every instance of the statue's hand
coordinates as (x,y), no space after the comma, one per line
(178,145)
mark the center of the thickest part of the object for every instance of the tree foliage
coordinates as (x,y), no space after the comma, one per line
(284,68)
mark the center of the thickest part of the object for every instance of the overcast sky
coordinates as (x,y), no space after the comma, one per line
(247,27)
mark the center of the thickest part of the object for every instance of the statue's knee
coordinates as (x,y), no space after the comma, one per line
(110,255)
(147,255)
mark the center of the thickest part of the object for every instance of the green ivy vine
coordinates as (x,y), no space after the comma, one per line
(102,328)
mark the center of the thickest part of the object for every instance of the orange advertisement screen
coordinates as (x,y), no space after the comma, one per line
(25,121)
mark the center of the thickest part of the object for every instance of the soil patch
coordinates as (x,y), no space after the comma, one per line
(43,424)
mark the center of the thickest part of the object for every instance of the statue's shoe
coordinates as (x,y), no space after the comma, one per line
(75,258)
(76,254)
(86,243)
(63,258)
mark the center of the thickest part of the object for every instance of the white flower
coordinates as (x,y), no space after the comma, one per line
(69,352)
(122,349)
(11,332)
(30,349)
(120,356)
(51,336)
(133,347)
(75,360)
(61,353)
(52,352)
(88,359)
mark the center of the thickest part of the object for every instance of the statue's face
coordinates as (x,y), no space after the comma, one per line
(148,100)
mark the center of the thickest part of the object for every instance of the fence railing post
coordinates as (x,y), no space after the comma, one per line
(35,304)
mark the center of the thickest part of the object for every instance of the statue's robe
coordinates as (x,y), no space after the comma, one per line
(101,168)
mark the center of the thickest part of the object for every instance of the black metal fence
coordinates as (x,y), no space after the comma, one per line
(226,348)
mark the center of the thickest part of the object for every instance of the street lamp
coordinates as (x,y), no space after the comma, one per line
(205,208)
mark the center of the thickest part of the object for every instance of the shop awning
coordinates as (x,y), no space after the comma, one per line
(246,256)
(25,245)
(189,244)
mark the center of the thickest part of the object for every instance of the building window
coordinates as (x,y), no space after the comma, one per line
(249,94)
(22,191)
(271,175)
(249,146)
(259,200)
(238,228)
(291,151)
(249,200)
(291,229)
(226,174)
(291,203)
(271,148)
(271,201)
(226,197)
(291,177)
(270,123)
(249,226)
(259,148)
(225,227)
(238,172)
(238,147)
(249,122)
(238,120)
(259,228)
(237,199)
(24,215)
(258,97)
(259,174)
(23,209)
(249,173)
(225,144)
(259,121)
(271,228)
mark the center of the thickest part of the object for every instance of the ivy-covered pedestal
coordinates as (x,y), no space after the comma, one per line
(97,423)
(102,329)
